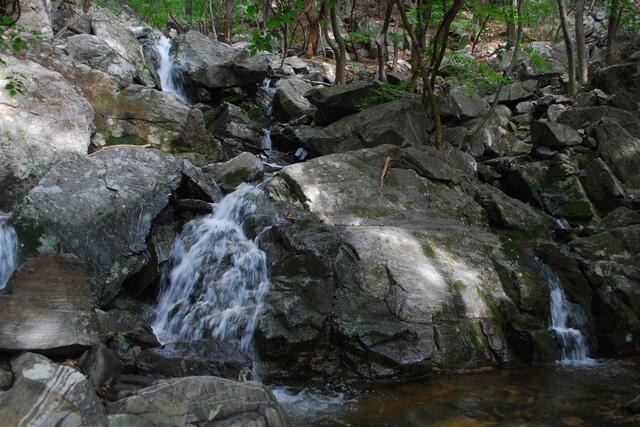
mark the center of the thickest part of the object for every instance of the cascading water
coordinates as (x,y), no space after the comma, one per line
(574,344)
(167,70)
(266,140)
(217,277)
(8,250)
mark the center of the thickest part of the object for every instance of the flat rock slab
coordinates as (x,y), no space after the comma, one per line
(50,308)
(199,401)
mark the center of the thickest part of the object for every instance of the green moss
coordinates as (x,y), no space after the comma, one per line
(428,251)
(459,286)
(407,204)
(255,113)
(125,140)
(235,179)
(546,346)
(580,209)
(474,336)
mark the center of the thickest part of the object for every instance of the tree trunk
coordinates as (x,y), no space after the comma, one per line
(511,23)
(612,31)
(341,55)
(213,21)
(569,45)
(228,20)
(381,43)
(311,13)
(581,48)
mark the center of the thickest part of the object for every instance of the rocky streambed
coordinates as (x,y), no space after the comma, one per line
(176,263)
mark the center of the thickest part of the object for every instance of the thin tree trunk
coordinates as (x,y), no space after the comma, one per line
(511,23)
(569,46)
(228,21)
(311,14)
(341,56)
(213,21)
(581,48)
(381,43)
(612,31)
(428,98)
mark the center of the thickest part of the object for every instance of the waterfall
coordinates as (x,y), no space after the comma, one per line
(266,140)
(216,279)
(574,344)
(167,70)
(8,250)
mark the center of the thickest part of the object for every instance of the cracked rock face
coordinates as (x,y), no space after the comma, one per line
(48,122)
(101,208)
(391,281)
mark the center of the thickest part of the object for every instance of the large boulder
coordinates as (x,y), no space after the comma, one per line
(554,135)
(101,208)
(602,187)
(215,65)
(413,258)
(581,118)
(50,308)
(134,115)
(552,184)
(46,123)
(289,102)
(610,260)
(620,150)
(335,102)
(114,32)
(518,91)
(97,53)
(198,401)
(401,122)
(242,168)
(47,394)
(621,80)
(457,105)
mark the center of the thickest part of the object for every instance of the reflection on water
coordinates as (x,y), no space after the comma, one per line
(577,396)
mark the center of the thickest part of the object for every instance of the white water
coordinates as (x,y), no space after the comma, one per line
(266,140)
(8,250)
(574,343)
(217,277)
(167,70)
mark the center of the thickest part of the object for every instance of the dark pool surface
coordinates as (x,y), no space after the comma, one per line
(561,396)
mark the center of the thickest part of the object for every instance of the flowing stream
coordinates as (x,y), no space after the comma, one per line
(8,250)
(169,75)
(216,279)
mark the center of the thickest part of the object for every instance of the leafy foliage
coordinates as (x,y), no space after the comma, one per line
(385,93)
(470,74)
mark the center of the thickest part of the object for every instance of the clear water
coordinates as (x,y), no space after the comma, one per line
(558,396)
(217,277)
(167,71)
(8,250)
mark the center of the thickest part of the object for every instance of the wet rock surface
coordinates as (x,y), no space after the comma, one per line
(49,308)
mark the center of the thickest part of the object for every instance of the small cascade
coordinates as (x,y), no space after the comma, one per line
(8,250)
(167,71)
(264,96)
(266,140)
(574,343)
(216,279)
